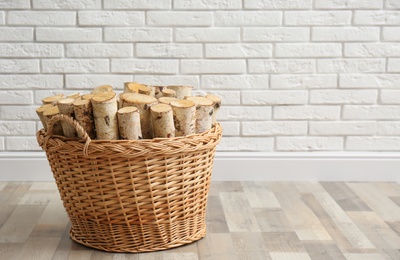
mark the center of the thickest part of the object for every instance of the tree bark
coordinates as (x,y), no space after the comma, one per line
(48,114)
(184,117)
(129,123)
(216,106)
(40,112)
(52,99)
(66,107)
(102,89)
(105,115)
(181,91)
(204,112)
(163,121)
(84,115)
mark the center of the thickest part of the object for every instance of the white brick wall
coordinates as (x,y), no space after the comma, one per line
(307,75)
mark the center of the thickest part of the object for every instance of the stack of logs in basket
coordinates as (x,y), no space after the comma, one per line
(140,112)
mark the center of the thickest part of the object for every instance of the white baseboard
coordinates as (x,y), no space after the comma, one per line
(247,166)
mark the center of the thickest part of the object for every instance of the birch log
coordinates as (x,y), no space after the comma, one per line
(52,99)
(75,96)
(66,107)
(143,103)
(204,113)
(132,87)
(166,100)
(182,91)
(129,123)
(168,93)
(40,112)
(105,115)
(102,89)
(163,121)
(216,106)
(144,90)
(158,91)
(48,114)
(84,115)
(87,96)
(184,117)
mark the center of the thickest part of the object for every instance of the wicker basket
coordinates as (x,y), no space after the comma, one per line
(132,196)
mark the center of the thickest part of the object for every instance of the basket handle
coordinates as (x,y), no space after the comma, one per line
(79,129)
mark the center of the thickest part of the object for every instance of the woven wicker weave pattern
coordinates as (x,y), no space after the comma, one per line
(132,196)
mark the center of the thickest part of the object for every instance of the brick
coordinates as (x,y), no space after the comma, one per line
(110,18)
(145,66)
(372,143)
(227,97)
(169,50)
(165,80)
(70,4)
(213,66)
(207,34)
(17,128)
(12,97)
(246,144)
(241,50)
(181,18)
(12,34)
(391,33)
(274,66)
(138,34)
(2,18)
(348,4)
(343,128)
(19,66)
(2,145)
(274,128)
(69,34)
(392,4)
(237,82)
(19,112)
(390,96)
(372,49)
(75,65)
(277,4)
(207,4)
(274,97)
(369,80)
(304,50)
(307,112)
(317,18)
(230,128)
(15,4)
(343,96)
(22,143)
(309,143)
(234,113)
(345,34)
(350,65)
(276,34)
(248,18)
(103,50)
(138,4)
(88,81)
(389,128)
(31,81)
(377,17)
(307,81)
(47,18)
(371,112)
(31,50)
(393,65)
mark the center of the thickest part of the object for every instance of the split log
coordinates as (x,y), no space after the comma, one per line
(105,115)
(129,123)
(163,121)
(84,115)
(132,87)
(166,100)
(87,96)
(216,106)
(40,112)
(66,107)
(102,89)
(204,113)
(143,103)
(75,96)
(48,114)
(181,91)
(52,99)
(145,90)
(184,117)
(168,93)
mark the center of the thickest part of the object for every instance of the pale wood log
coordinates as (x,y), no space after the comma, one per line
(168,93)
(87,96)
(153,90)
(216,105)
(48,114)
(158,91)
(184,117)
(105,115)
(204,112)
(181,91)
(132,87)
(40,112)
(52,99)
(66,107)
(75,96)
(143,103)
(102,89)
(162,120)
(84,115)
(167,100)
(145,90)
(129,123)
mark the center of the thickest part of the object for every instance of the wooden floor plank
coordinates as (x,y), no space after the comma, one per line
(326,251)
(259,196)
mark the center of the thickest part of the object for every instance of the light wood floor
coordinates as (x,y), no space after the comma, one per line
(246,220)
